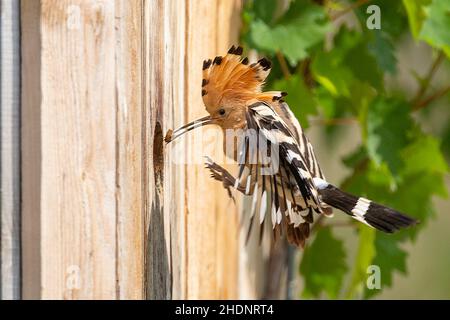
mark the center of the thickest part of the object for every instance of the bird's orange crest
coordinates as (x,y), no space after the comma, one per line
(231,79)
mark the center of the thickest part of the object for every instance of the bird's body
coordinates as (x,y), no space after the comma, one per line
(277,164)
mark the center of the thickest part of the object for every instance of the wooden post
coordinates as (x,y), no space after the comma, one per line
(107,214)
(129,86)
(69,150)
(10,149)
(211,228)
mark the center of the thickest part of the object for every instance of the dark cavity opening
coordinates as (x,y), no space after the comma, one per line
(158,156)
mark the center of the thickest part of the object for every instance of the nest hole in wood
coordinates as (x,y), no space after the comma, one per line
(158,156)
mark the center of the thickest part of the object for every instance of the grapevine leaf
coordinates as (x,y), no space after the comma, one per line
(416,14)
(323,265)
(435,29)
(364,257)
(300,99)
(294,33)
(382,49)
(389,258)
(388,127)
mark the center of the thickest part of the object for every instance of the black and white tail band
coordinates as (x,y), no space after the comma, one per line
(373,214)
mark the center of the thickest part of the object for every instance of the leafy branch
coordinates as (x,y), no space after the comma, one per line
(417,102)
(425,102)
(398,163)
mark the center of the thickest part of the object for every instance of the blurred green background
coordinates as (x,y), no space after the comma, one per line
(370,81)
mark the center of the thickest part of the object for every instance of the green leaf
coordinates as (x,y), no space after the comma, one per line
(371,181)
(359,56)
(382,49)
(339,70)
(388,126)
(265,9)
(416,14)
(424,156)
(328,68)
(303,26)
(300,99)
(331,74)
(364,257)
(414,197)
(393,17)
(362,95)
(323,265)
(389,258)
(446,142)
(355,157)
(435,29)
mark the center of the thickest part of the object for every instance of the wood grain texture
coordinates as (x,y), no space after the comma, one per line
(108,213)
(164,91)
(158,256)
(130,206)
(10,149)
(69,149)
(173,113)
(78,204)
(211,224)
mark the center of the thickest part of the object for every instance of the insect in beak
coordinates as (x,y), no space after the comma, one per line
(172,135)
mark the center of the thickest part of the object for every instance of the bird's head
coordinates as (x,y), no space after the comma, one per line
(229,85)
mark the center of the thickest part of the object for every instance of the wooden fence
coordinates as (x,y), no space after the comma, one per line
(105,214)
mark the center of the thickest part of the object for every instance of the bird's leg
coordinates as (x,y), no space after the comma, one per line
(221,174)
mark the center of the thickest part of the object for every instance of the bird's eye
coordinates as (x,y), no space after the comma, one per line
(222,112)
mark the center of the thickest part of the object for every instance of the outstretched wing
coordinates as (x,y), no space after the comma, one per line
(282,187)
(305,146)
(271,127)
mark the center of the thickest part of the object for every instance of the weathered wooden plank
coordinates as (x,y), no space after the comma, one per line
(158,280)
(211,223)
(107,211)
(70,119)
(164,186)
(130,208)
(10,149)
(173,113)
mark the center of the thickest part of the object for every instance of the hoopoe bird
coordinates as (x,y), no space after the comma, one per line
(295,187)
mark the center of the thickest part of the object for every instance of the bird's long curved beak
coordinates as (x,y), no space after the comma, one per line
(172,135)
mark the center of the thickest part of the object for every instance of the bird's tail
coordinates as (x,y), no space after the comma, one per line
(373,214)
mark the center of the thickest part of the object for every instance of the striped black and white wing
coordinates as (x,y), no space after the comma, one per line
(306,148)
(281,188)
(271,127)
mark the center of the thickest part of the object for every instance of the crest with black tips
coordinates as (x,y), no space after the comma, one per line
(236,50)
(265,64)
(239,50)
(233,77)
(231,50)
(217,60)
(206,64)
